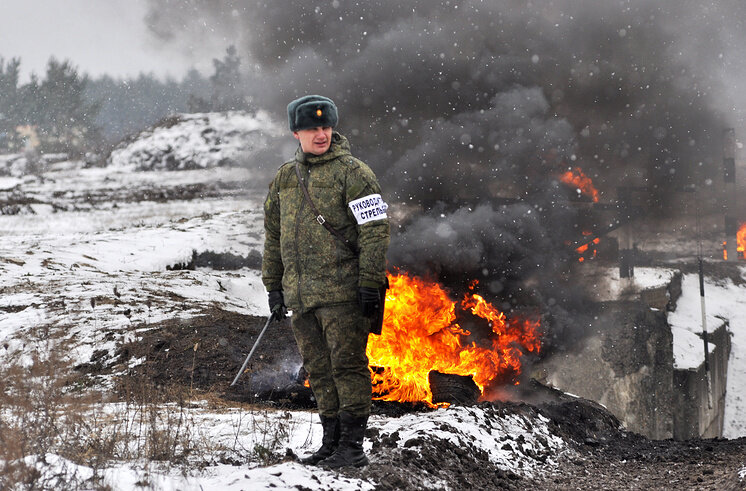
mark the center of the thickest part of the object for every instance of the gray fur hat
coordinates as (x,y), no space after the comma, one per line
(311,111)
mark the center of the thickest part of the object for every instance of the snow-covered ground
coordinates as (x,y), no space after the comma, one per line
(92,269)
(607,285)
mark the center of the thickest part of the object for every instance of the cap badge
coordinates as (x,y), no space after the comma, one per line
(318,113)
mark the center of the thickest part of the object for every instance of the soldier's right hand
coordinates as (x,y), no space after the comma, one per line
(277,304)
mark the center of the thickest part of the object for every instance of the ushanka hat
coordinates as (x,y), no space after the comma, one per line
(312,111)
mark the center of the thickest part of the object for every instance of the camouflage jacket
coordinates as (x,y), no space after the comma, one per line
(301,257)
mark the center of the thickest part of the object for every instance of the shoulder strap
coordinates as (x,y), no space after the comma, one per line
(319,217)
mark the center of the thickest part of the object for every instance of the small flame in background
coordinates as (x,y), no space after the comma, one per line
(582,250)
(421,334)
(740,244)
(577,178)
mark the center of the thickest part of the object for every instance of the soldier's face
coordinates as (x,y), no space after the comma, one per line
(314,140)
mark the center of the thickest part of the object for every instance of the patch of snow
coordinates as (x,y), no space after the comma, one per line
(13,165)
(7,183)
(16,329)
(60,472)
(608,286)
(688,349)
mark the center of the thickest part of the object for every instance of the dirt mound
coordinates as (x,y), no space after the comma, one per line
(426,460)
(583,421)
(198,141)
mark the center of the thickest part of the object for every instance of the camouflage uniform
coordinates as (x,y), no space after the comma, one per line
(319,275)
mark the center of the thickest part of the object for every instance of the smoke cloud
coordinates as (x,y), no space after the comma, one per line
(469,111)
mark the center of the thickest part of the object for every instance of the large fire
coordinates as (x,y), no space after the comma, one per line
(421,334)
(576,177)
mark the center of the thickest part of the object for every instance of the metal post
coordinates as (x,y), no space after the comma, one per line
(729,206)
(626,253)
(704,333)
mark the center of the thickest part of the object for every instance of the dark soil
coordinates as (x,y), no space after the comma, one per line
(223,261)
(15,202)
(423,461)
(204,354)
(634,462)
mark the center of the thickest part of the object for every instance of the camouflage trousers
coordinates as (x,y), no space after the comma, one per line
(332,342)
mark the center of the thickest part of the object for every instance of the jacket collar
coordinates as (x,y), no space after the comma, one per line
(339,147)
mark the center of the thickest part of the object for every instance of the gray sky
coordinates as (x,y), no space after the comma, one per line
(98,36)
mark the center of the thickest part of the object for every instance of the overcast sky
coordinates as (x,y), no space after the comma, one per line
(98,36)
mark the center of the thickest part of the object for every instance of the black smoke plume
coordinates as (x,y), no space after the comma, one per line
(469,111)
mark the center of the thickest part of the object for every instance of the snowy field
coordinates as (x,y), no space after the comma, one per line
(65,269)
(87,264)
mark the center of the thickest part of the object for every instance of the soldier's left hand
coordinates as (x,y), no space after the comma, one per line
(277,304)
(369,300)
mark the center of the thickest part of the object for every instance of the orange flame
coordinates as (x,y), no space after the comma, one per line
(576,177)
(584,248)
(420,334)
(740,244)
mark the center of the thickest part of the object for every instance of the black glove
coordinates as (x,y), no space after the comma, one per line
(369,300)
(277,304)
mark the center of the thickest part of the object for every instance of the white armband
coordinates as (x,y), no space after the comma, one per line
(369,208)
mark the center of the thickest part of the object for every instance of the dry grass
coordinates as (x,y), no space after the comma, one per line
(47,415)
(43,412)
(39,416)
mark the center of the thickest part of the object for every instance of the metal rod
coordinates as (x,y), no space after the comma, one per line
(253,348)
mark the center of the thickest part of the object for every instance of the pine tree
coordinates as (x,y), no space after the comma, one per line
(9,104)
(226,83)
(65,118)
(198,89)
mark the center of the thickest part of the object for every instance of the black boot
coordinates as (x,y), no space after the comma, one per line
(350,449)
(329,441)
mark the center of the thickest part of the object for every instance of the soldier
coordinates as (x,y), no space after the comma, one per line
(324,259)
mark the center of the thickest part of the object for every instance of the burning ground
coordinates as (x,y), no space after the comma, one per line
(142,287)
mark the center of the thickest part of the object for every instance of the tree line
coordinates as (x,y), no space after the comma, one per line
(66,111)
